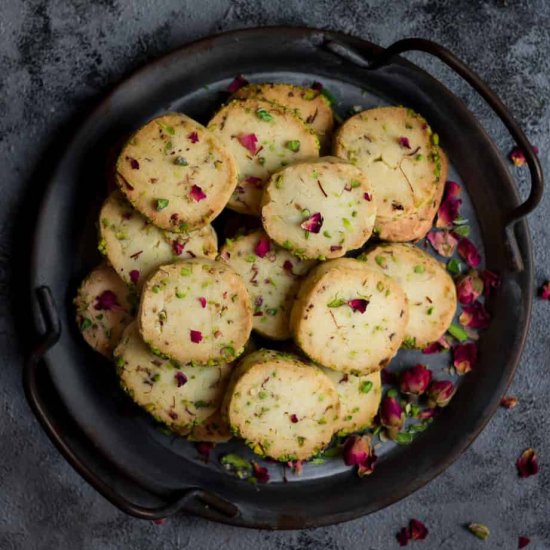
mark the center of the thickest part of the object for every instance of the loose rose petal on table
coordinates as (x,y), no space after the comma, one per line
(523,542)
(527,464)
(509,401)
(418,530)
(545,291)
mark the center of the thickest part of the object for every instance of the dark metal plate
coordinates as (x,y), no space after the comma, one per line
(193,80)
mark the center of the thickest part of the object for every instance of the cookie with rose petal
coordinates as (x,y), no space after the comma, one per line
(400,155)
(272,275)
(176,173)
(104,307)
(262,136)
(135,247)
(430,289)
(319,209)
(309,104)
(196,311)
(349,317)
(182,397)
(283,407)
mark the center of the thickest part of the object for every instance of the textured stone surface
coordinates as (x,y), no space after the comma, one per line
(58,57)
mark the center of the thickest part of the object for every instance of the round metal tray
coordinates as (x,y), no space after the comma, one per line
(115,446)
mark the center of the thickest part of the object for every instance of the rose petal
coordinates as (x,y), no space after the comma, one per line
(475,316)
(134,276)
(197,194)
(256,182)
(391,413)
(517,155)
(180,378)
(287,266)
(418,530)
(358,304)
(296,466)
(468,251)
(367,196)
(196,336)
(134,164)
(159,521)
(249,142)
(527,464)
(469,288)
(193,137)
(202,301)
(403,536)
(263,246)
(107,301)
(508,401)
(404,142)
(237,83)
(415,380)
(357,452)
(434,347)
(204,448)
(464,357)
(260,473)
(178,247)
(313,224)
(491,281)
(545,291)
(452,190)
(443,242)
(440,393)
(293,418)
(448,211)
(523,542)
(427,413)
(388,377)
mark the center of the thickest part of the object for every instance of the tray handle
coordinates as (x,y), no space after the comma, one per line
(184,500)
(445,55)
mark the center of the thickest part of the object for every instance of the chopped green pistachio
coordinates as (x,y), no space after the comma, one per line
(161,204)
(263,395)
(251,258)
(458,332)
(156,289)
(102,247)
(355,183)
(279,182)
(238,465)
(328,95)
(454,266)
(168,129)
(380,260)
(293,145)
(403,438)
(271,311)
(462,230)
(180,294)
(380,286)
(419,157)
(85,324)
(419,268)
(392,393)
(365,387)
(262,114)
(168,147)
(301,440)
(430,310)
(327,234)
(337,302)
(185,271)
(287,245)
(347,223)
(435,139)
(409,342)
(180,161)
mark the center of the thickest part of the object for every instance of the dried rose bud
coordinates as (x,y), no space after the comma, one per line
(418,530)
(440,393)
(491,281)
(508,401)
(523,542)
(475,316)
(260,473)
(464,357)
(426,413)
(517,155)
(479,530)
(391,413)
(469,287)
(357,452)
(237,83)
(545,291)
(263,246)
(197,194)
(415,380)
(448,212)
(443,242)
(527,464)
(313,224)
(358,304)
(196,336)
(249,142)
(468,251)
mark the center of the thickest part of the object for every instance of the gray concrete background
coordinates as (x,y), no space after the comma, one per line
(57,58)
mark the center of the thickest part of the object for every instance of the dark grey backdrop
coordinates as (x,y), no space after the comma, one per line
(57,58)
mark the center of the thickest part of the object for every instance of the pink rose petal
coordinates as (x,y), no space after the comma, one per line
(197,194)
(287,266)
(263,246)
(468,251)
(404,142)
(202,301)
(249,142)
(469,288)
(464,357)
(475,316)
(256,182)
(196,336)
(358,304)
(193,137)
(443,242)
(367,196)
(523,542)
(313,224)
(418,530)
(107,301)
(545,291)
(260,473)
(527,464)
(178,247)
(293,418)
(449,208)
(237,83)
(134,276)
(180,378)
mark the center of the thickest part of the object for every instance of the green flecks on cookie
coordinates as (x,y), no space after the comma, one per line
(365,386)
(262,114)
(293,145)
(167,128)
(381,261)
(186,271)
(337,302)
(419,268)
(102,247)
(85,324)
(161,204)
